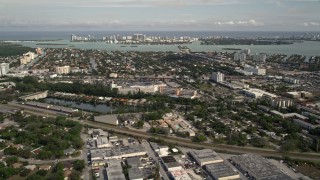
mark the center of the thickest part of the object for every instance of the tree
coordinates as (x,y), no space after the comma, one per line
(75,175)
(200,138)
(24,172)
(35,176)
(79,165)
(42,172)
(139,124)
(258,142)
(157,172)
(11,160)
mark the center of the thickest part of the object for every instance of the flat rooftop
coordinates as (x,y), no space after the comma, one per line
(259,167)
(168,159)
(206,155)
(135,173)
(219,170)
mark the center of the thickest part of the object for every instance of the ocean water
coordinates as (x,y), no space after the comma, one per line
(307,48)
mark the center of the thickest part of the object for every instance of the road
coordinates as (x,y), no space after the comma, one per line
(151,153)
(182,141)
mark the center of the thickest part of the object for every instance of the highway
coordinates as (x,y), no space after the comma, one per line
(178,141)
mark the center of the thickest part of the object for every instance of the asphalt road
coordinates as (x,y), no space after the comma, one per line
(151,153)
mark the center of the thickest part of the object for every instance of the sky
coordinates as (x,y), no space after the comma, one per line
(160,15)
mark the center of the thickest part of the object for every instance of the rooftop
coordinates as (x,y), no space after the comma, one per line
(206,155)
(219,170)
(135,173)
(259,167)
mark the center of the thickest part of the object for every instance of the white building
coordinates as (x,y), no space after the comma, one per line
(63,70)
(4,69)
(260,57)
(246,51)
(103,142)
(217,77)
(240,56)
(258,93)
(255,70)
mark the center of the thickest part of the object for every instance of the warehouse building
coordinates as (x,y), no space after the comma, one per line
(205,156)
(257,167)
(221,171)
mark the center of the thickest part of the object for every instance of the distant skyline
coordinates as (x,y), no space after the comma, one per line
(160,15)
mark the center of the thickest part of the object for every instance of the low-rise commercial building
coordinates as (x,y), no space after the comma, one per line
(114,170)
(103,142)
(135,173)
(257,167)
(205,156)
(221,171)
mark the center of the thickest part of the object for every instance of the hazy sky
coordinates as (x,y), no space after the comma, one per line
(206,15)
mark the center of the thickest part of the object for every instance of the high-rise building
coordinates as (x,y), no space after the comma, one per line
(240,56)
(27,57)
(63,70)
(217,77)
(260,57)
(246,51)
(73,37)
(4,69)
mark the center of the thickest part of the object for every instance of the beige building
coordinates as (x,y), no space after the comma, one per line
(205,156)
(63,70)
(26,58)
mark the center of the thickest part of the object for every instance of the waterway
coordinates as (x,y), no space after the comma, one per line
(100,108)
(307,48)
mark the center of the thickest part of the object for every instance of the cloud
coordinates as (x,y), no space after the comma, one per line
(250,22)
(120,3)
(311,24)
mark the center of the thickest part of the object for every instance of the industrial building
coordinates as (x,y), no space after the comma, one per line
(171,163)
(221,171)
(114,170)
(135,173)
(118,152)
(257,167)
(205,156)
(175,169)
(161,150)
(103,142)
(108,119)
